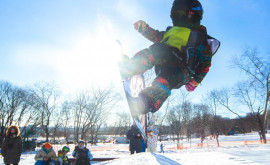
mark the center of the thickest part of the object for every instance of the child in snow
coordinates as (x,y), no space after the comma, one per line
(181,55)
(161,148)
(62,156)
(45,156)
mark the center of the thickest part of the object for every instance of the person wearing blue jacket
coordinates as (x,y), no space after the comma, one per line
(82,154)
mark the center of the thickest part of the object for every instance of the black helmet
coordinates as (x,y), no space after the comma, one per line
(187,10)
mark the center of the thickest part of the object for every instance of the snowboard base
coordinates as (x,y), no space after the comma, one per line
(132,87)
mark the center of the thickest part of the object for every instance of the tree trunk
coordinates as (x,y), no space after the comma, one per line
(261,126)
(217,135)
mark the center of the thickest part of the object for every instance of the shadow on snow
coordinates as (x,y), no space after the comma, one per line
(164,160)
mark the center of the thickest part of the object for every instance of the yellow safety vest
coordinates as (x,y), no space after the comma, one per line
(177,37)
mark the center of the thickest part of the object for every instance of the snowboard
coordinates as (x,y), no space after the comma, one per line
(132,86)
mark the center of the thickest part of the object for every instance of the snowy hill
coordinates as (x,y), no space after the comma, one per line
(234,150)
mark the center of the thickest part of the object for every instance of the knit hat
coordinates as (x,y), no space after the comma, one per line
(47,145)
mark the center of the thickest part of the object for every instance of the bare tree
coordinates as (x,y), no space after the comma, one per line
(162,113)
(15,107)
(103,101)
(56,123)
(258,71)
(78,109)
(216,122)
(188,116)
(175,115)
(122,123)
(248,95)
(47,97)
(90,109)
(201,122)
(66,119)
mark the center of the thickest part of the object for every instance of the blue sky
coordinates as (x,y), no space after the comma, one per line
(73,42)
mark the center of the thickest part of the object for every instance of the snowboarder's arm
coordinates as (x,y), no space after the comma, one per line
(191,85)
(204,57)
(148,32)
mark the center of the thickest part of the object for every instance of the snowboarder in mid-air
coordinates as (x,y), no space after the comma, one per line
(181,56)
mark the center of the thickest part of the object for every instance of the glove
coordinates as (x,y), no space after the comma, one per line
(191,85)
(140,26)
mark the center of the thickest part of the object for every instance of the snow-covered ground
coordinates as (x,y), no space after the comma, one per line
(237,149)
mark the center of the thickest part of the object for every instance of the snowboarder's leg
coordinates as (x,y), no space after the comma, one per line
(141,62)
(169,78)
(154,96)
(156,54)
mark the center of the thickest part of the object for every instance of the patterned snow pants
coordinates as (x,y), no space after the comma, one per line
(170,73)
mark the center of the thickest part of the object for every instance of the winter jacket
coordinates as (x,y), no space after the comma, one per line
(135,141)
(12,146)
(152,136)
(82,155)
(199,59)
(62,157)
(43,153)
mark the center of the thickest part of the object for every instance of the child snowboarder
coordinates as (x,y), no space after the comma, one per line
(62,156)
(181,55)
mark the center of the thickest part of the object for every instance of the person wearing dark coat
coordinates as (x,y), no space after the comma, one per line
(134,137)
(12,146)
(82,154)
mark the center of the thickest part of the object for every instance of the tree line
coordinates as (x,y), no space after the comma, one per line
(43,106)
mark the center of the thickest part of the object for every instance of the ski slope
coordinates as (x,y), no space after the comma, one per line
(234,150)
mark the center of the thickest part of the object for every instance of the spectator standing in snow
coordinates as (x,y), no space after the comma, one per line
(134,137)
(45,156)
(12,146)
(82,154)
(152,133)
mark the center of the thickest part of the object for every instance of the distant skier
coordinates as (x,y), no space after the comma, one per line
(181,55)
(161,148)
(12,145)
(152,133)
